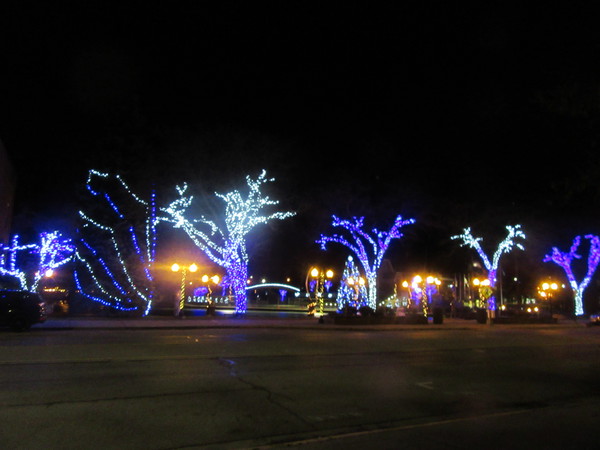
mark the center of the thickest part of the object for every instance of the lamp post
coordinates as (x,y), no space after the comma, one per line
(547,291)
(485,292)
(355,285)
(421,290)
(206,279)
(319,276)
(406,285)
(183,269)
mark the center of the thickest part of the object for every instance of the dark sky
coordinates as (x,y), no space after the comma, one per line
(456,115)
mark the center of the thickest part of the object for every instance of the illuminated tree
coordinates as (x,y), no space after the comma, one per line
(18,260)
(116,247)
(514,232)
(369,249)
(565,260)
(226,246)
(351,291)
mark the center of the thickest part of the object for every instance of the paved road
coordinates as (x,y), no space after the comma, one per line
(268,385)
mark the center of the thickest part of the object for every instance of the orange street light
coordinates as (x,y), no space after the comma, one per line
(183,269)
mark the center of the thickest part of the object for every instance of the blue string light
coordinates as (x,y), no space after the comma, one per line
(369,249)
(53,252)
(565,260)
(110,274)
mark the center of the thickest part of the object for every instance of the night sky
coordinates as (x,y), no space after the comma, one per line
(456,115)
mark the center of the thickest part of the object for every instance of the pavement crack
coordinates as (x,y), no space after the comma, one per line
(230,365)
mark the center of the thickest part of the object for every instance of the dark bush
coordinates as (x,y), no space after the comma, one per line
(366,311)
(385,311)
(438,315)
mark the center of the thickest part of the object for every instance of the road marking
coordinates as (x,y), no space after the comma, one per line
(426,385)
(353,434)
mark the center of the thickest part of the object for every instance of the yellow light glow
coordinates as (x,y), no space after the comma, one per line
(193,268)
(175,267)
(314,272)
(329,274)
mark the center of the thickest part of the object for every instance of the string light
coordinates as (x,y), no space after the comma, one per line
(226,246)
(351,292)
(113,271)
(369,249)
(514,232)
(53,251)
(565,260)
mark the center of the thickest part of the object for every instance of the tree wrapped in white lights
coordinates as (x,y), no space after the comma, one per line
(507,244)
(226,246)
(368,248)
(116,247)
(565,260)
(52,252)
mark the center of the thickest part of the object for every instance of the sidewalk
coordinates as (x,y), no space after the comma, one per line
(257,321)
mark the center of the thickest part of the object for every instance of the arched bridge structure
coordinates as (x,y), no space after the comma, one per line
(287,287)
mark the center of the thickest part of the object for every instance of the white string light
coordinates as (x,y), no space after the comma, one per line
(227,247)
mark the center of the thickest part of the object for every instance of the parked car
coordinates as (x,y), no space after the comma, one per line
(19,309)
(594,320)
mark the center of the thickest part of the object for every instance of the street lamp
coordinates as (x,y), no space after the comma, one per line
(547,291)
(356,284)
(320,278)
(421,290)
(484,314)
(206,279)
(484,290)
(183,269)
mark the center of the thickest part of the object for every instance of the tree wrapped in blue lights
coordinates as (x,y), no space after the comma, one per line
(505,246)
(29,263)
(116,247)
(565,260)
(226,246)
(369,249)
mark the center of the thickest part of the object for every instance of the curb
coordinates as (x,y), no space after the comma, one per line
(152,323)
